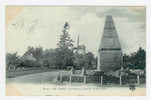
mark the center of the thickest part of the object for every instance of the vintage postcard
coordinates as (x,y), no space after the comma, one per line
(75,50)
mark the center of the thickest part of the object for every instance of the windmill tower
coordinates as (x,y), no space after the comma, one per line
(81,49)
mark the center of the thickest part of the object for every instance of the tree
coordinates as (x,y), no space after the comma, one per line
(12,60)
(28,60)
(36,53)
(136,60)
(84,60)
(79,61)
(65,48)
(140,63)
(50,58)
(90,60)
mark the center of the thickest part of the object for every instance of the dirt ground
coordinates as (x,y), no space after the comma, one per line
(42,84)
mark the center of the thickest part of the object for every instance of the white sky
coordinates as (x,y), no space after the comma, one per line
(42,26)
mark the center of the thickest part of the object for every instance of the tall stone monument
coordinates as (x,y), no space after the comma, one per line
(110,53)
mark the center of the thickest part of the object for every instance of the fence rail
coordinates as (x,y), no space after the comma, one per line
(103,80)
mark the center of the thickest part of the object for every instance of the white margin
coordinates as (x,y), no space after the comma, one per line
(146,3)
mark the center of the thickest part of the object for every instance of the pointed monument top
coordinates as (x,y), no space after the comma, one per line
(110,38)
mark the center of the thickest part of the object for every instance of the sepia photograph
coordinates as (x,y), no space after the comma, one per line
(75,50)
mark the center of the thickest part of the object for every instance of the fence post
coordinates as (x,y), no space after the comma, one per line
(8,68)
(101,80)
(138,80)
(60,76)
(120,80)
(70,80)
(85,79)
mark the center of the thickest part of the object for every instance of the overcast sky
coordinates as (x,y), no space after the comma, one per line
(42,26)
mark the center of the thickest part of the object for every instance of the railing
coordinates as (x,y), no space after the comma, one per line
(103,80)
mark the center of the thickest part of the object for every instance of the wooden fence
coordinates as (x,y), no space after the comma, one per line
(103,80)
